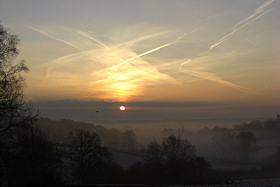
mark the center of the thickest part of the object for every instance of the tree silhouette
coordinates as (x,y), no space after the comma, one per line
(14,111)
(86,154)
(246,144)
(177,149)
(154,153)
(31,159)
(235,147)
(224,145)
(174,162)
(129,141)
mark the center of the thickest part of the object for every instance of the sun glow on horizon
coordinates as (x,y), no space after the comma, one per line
(155,62)
(122,108)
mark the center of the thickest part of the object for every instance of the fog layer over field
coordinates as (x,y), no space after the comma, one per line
(149,130)
(229,144)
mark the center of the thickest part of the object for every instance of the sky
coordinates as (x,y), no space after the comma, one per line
(160,58)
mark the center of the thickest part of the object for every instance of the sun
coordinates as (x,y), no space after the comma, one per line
(122,108)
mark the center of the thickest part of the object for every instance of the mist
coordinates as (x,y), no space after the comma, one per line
(230,145)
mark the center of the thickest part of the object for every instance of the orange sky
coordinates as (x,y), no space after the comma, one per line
(162,51)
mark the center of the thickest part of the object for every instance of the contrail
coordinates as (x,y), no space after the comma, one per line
(257,11)
(256,15)
(81,52)
(160,47)
(151,51)
(53,37)
(92,38)
(214,78)
(131,42)
(126,43)
(234,31)
(63,58)
(181,66)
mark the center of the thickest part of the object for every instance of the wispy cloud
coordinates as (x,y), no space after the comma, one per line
(111,82)
(212,77)
(181,65)
(53,37)
(116,71)
(259,12)
(141,38)
(92,38)
(63,60)
(151,50)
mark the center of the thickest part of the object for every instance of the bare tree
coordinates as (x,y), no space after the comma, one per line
(178,149)
(31,158)
(247,144)
(86,153)
(154,153)
(173,161)
(14,111)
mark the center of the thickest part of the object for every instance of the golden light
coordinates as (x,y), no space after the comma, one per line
(122,108)
(120,79)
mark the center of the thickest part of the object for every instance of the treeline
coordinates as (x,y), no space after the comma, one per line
(268,129)
(239,143)
(28,157)
(58,130)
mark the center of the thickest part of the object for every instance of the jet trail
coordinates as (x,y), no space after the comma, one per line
(92,38)
(258,13)
(60,59)
(216,79)
(81,52)
(53,37)
(131,42)
(109,50)
(151,51)
(181,66)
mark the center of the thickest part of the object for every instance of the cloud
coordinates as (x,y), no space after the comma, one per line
(101,103)
(86,110)
(140,39)
(212,77)
(151,50)
(259,12)
(127,79)
(111,75)
(92,38)
(116,71)
(53,37)
(181,65)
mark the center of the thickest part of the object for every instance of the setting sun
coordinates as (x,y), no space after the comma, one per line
(122,108)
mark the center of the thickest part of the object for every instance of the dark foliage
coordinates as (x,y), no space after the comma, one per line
(21,148)
(240,147)
(14,111)
(29,158)
(172,162)
(113,139)
(89,160)
(273,167)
